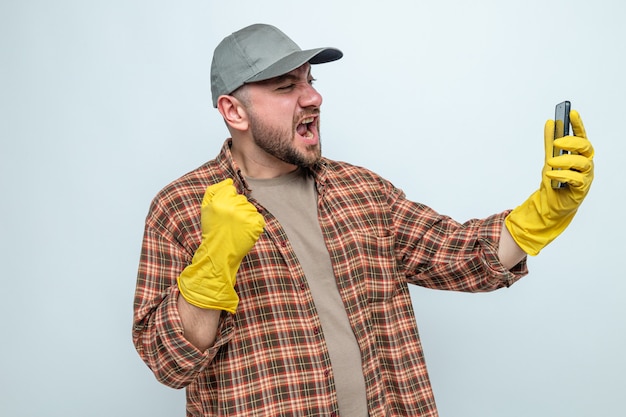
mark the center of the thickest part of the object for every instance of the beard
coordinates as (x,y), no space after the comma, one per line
(280,143)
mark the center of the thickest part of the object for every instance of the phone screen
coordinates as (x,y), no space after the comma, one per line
(561,129)
(561,119)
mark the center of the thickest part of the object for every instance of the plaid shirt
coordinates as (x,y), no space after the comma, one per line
(270,358)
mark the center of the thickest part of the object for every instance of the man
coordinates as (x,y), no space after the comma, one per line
(274,281)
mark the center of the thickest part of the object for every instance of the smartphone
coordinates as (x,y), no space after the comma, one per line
(561,129)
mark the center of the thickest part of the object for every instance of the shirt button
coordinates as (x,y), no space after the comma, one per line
(283,243)
(326,372)
(316,330)
(302,286)
(333,414)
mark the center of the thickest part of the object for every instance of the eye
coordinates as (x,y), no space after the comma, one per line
(286,87)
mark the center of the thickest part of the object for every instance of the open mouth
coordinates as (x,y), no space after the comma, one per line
(305,128)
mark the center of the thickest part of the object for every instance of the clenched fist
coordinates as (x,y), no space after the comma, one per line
(231,226)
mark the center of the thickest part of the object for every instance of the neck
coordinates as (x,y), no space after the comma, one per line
(256,163)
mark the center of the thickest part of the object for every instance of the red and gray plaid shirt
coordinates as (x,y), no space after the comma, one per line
(270,358)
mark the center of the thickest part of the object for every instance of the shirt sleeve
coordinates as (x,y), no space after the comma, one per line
(438,252)
(157,327)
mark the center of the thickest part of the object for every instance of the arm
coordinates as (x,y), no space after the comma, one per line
(178,320)
(439,253)
(161,332)
(199,325)
(509,253)
(230,228)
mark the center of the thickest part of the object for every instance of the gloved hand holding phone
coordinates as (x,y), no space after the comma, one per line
(548,211)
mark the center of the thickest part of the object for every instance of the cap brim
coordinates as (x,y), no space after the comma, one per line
(295,60)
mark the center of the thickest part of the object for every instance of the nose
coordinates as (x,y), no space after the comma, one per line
(309,96)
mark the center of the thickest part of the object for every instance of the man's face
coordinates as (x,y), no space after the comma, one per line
(284,117)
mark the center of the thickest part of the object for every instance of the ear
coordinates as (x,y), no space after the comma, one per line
(233,112)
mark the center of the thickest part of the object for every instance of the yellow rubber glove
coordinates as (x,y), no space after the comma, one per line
(230,228)
(547,212)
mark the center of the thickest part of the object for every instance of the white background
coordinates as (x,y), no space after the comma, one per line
(102,103)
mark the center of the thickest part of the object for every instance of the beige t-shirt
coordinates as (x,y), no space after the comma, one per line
(292,199)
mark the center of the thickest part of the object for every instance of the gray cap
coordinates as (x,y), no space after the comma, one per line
(256,53)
